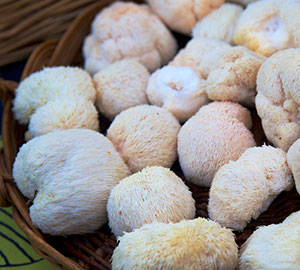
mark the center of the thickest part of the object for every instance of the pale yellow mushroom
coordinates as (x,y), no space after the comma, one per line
(268,26)
(197,244)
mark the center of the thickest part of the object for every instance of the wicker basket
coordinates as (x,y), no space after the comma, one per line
(24,24)
(92,251)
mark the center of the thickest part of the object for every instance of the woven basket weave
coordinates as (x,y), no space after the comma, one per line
(24,24)
(92,251)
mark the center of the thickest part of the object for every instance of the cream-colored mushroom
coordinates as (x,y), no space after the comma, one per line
(154,194)
(120,86)
(277,101)
(127,30)
(273,246)
(216,134)
(219,24)
(145,135)
(293,158)
(243,189)
(201,54)
(56,98)
(234,76)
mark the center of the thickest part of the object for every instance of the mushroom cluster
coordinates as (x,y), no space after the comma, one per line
(127,30)
(66,94)
(173,122)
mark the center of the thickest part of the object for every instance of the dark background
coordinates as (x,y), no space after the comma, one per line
(11,72)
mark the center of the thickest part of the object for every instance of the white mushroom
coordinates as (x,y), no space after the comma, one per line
(56,98)
(69,175)
(177,89)
(182,15)
(63,114)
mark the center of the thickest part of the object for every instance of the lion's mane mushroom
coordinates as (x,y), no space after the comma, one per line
(243,189)
(177,89)
(154,194)
(69,175)
(120,86)
(273,247)
(219,24)
(216,134)
(56,98)
(127,30)
(234,76)
(190,244)
(200,54)
(145,135)
(277,101)
(268,26)
(182,15)
(293,158)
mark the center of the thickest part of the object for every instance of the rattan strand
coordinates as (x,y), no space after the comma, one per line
(24,24)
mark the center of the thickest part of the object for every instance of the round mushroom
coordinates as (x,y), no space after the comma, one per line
(68,174)
(216,134)
(177,89)
(145,135)
(189,244)
(120,86)
(154,194)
